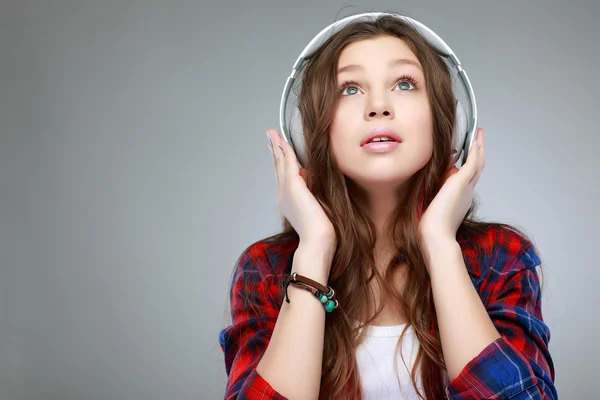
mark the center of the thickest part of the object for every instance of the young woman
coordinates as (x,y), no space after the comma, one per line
(397,292)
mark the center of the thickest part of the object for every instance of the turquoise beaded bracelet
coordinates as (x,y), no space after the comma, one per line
(325,294)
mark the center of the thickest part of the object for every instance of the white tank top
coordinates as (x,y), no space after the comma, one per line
(375,359)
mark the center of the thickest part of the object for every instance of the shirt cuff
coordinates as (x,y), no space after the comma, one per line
(499,371)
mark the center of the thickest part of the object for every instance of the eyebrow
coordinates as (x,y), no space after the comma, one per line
(398,61)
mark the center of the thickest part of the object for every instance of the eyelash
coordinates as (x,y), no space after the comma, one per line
(408,78)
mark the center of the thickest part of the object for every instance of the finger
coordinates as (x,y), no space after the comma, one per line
(479,156)
(279,158)
(270,144)
(482,152)
(469,169)
(291,162)
(304,174)
(451,171)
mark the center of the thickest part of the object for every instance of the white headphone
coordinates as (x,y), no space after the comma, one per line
(466,125)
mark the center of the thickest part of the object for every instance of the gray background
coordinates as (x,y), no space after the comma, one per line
(134,169)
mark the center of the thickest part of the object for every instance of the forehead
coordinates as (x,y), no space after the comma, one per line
(380,50)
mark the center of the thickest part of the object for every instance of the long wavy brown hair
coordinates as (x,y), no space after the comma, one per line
(353,267)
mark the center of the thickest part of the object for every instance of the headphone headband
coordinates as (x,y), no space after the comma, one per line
(430,36)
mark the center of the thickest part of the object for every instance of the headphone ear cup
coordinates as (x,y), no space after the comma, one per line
(459,135)
(297,137)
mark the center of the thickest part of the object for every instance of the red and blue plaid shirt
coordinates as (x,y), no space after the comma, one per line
(516,366)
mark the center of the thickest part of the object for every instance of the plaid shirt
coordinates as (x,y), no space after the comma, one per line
(516,366)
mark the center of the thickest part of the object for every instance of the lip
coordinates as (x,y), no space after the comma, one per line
(381,132)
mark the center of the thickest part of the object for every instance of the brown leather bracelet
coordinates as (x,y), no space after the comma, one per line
(296,277)
(323,293)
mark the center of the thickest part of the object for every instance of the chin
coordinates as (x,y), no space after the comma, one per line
(382,169)
(375,179)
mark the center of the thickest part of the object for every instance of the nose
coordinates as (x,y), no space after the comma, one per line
(385,113)
(378,107)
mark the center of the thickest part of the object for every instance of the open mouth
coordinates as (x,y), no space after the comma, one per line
(381,140)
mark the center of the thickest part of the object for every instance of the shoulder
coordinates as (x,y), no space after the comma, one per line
(269,256)
(495,250)
(258,273)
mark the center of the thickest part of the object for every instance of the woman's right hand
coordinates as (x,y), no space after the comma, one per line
(295,200)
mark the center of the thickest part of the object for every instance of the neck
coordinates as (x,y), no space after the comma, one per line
(379,201)
(380,206)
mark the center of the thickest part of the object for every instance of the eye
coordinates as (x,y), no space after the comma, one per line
(405,83)
(349,88)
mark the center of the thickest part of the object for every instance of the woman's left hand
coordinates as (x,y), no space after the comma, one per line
(450,205)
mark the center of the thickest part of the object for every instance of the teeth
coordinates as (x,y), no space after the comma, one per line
(382,139)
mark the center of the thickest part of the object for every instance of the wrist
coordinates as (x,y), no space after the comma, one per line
(435,242)
(322,248)
(438,249)
(313,261)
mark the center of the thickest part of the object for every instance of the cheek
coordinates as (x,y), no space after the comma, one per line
(425,146)
(336,141)
(428,145)
(422,125)
(341,131)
